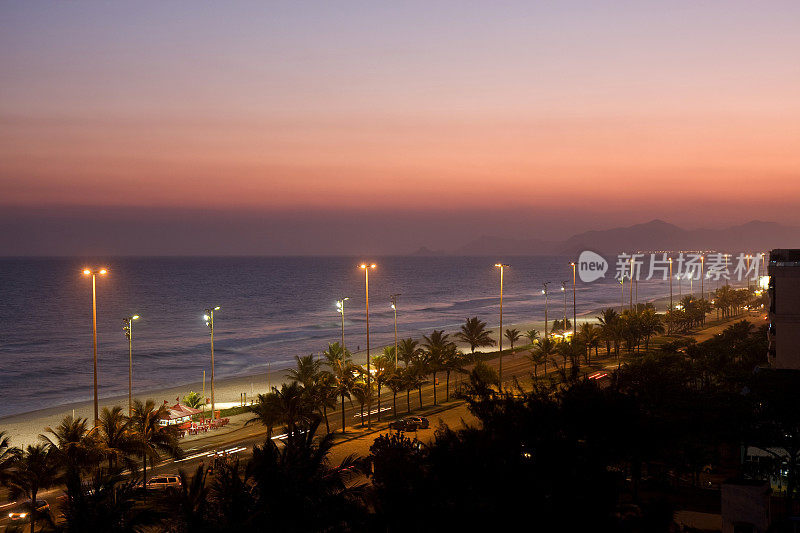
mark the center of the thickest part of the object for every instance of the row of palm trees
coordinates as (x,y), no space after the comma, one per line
(78,456)
(318,385)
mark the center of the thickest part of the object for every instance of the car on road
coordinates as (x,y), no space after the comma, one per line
(420,421)
(410,423)
(158,483)
(23,510)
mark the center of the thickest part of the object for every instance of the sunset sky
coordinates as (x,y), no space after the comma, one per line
(302,127)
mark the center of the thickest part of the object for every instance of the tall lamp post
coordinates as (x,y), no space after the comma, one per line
(502,268)
(393,298)
(574,306)
(209,318)
(340,308)
(670,284)
(127,327)
(544,291)
(702,278)
(94,274)
(748,256)
(366,268)
(564,290)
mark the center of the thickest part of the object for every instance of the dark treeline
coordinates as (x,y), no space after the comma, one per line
(566,454)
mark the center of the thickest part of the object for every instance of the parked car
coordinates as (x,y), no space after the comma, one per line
(164,483)
(403,425)
(23,510)
(410,423)
(420,421)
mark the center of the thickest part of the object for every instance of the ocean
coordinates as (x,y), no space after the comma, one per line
(272,308)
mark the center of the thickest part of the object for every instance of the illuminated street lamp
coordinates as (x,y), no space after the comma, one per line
(127,327)
(393,298)
(94,274)
(209,318)
(574,306)
(544,291)
(670,284)
(748,257)
(502,268)
(340,309)
(564,290)
(702,280)
(366,268)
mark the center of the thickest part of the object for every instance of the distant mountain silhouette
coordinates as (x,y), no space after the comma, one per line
(654,235)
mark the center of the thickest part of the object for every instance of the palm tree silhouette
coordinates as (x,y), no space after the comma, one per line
(298,488)
(150,437)
(343,373)
(542,353)
(474,333)
(32,469)
(266,410)
(513,335)
(436,347)
(114,438)
(408,349)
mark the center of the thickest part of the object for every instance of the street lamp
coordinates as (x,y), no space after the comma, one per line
(94,274)
(702,279)
(564,290)
(748,256)
(127,327)
(209,318)
(574,307)
(502,268)
(393,298)
(630,285)
(340,309)
(670,284)
(544,291)
(366,268)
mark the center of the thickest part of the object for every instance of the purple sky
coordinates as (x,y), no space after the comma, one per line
(375,127)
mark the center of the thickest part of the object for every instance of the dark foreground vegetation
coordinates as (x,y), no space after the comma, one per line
(567,454)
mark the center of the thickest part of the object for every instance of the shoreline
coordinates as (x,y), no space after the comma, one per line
(24,428)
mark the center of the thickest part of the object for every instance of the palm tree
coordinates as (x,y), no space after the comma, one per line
(436,347)
(513,335)
(298,488)
(395,384)
(589,334)
(32,469)
(150,437)
(193,400)
(382,369)
(532,335)
(267,410)
(323,394)
(294,406)
(74,447)
(188,504)
(343,373)
(542,353)
(362,393)
(114,437)
(608,319)
(651,324)
(475,334)
(306,371)
(452,361)
(7,453)
(407,350)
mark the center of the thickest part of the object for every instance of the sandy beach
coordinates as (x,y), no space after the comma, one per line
(25,428)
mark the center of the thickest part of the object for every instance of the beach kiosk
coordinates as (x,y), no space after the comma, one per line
(178,414)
